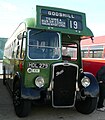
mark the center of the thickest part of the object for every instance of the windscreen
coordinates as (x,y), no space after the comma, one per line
(43,44)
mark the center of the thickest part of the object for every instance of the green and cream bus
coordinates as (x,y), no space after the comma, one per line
(42,61)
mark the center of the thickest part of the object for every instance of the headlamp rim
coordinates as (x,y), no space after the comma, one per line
(36,81)
(83,81)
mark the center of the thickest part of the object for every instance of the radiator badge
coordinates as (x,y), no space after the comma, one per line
(59,72)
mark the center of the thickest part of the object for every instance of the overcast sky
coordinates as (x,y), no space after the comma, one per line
(12,12)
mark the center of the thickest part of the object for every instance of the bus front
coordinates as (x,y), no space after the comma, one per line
(53,65)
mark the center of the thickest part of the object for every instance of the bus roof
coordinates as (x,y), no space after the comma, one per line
(58,19)
(100,40)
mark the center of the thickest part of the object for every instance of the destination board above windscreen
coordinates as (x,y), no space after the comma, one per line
(62,20)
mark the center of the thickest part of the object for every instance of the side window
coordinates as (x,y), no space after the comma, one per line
(13,48)
(19,46)
(23,47)
(85,54)
(17,50)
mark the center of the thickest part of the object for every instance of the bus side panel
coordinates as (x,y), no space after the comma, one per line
(92,65)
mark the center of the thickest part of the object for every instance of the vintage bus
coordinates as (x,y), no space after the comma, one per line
(42,62)
(93,54)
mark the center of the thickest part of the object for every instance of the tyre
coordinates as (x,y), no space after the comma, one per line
(86,106)
(22,106)
(4,77)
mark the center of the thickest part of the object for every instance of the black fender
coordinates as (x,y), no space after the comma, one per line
(26,93)
(17,77)
(93,89)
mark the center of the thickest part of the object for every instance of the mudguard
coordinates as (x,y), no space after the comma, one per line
(93,89)
(27,93)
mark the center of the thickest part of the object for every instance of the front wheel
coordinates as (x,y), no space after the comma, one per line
(86,106)
(22,106)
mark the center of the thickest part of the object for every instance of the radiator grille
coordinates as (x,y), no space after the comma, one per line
(64,84)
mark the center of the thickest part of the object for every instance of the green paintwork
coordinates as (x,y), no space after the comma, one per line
(36,22)
(75,36)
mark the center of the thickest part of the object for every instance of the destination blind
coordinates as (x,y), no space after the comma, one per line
(61,20)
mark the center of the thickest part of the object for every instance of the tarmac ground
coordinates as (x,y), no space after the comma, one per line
(42,112)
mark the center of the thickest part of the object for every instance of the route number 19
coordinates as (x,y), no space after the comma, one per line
(73,24)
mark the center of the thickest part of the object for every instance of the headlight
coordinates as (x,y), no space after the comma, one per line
(39,81)
(85,81)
